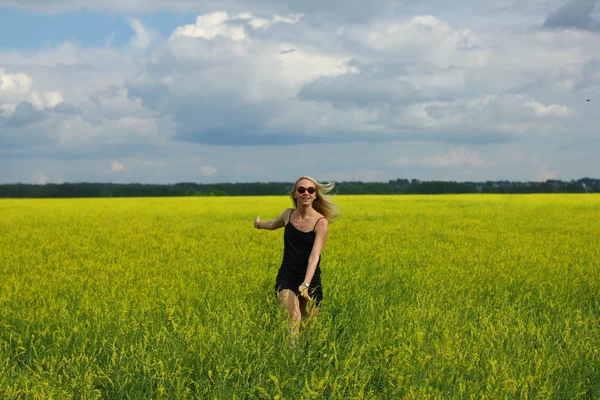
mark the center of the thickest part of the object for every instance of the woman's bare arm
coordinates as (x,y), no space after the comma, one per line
(273,224)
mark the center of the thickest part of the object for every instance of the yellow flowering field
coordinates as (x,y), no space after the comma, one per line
(464,296)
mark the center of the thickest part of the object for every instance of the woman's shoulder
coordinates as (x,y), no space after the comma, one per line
(286,213)
(320,218)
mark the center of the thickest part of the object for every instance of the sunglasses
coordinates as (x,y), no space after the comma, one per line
(310,190)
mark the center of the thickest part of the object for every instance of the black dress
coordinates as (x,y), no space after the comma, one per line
(297,246)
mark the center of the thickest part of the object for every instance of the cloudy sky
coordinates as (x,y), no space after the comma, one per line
(166,91)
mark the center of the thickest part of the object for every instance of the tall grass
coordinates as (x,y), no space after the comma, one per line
(425,297)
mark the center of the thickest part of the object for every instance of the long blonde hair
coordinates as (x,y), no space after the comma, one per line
(321,203)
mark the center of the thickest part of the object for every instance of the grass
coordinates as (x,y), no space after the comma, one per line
(476,296)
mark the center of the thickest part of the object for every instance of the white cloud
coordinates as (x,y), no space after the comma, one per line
(18,83)
(208,170)
(143,37)
(544,173)
(553,110)
(289,19)
(258,23)
(209,26)
(414,38)
(116,166)
(42,178)
(47,99)
(17,87)
(65,53)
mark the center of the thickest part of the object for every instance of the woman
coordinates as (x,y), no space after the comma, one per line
(299,279)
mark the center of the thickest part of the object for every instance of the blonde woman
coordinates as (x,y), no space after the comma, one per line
(298,282)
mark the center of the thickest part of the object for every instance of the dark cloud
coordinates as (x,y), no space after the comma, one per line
(25,114)
(207,116)
(591,75)
(381,84)
(373,85)
(65,108)
(240,138)
(574,14)
(235,137)
(150,92)
(223,121)
(350,90)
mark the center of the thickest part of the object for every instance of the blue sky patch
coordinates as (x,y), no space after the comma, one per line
(21,30)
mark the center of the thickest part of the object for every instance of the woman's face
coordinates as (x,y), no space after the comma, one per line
(305,186)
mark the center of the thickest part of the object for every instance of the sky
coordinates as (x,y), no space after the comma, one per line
(167,91)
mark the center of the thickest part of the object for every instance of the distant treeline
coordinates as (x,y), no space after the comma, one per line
(397,186)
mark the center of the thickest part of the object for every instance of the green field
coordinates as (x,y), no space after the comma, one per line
(474,296)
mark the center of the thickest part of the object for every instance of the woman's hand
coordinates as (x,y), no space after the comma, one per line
(304,292)
(257,222)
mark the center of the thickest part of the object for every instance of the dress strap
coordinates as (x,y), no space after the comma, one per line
(317,223)
(290,218)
